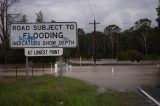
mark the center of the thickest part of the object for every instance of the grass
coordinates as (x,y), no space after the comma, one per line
(49,91)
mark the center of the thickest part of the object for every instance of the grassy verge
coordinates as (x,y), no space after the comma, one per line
(46,91)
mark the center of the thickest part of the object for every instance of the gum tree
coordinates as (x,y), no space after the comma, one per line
(143,26)
(39,17)
(5,18)
(158,14)
(111,32)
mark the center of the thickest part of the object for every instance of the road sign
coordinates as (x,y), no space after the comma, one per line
(43,35)
(43,51)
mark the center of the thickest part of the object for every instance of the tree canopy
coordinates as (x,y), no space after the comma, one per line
(40,17)
(158,14)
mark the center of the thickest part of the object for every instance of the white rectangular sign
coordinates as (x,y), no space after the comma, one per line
(43,51)
(36,35)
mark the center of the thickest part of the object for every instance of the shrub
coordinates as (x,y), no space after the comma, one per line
(131,55)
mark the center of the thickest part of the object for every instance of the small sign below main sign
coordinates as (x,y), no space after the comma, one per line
(44,35)
(43,52)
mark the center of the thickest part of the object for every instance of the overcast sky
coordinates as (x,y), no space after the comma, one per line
(120,12)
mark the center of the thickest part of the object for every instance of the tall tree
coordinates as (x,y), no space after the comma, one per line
(40,17)
(144,26)
(158,14)
(5,5)
(111,32)
(53,21)
(81,34)
(23,19)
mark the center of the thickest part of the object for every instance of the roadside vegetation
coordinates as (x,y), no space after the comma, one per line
(51,91)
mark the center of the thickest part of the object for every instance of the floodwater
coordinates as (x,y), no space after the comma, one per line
(117,77)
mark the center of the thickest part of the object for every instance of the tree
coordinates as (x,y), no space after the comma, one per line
(39,18)
(5,5)
(111,32)
(158,14)
(100,38)
(23,19)
(53,21)
(143,26)
(81,34)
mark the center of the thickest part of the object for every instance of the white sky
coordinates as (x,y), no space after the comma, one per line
(120,12)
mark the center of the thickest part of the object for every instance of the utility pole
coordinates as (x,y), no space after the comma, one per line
(94,34)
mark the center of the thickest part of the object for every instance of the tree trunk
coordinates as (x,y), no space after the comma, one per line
(117,48)
(112,46)
(6,52)
(145,43)
(5,5)
(104,44)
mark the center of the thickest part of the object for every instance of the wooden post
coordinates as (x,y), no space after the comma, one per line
(43,69)
(32,70)
(16,71)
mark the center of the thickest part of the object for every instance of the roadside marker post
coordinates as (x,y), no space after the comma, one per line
(16,71)
(51,70)
(32,70)
(43,69)
(70,67)
(112,70)
(80,61)
(56,69)
(158,66)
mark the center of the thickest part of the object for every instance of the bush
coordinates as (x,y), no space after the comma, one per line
(135,55)
(131,55)
(123,56)
(151,57)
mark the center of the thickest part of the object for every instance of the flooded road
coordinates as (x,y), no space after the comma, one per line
(117,77)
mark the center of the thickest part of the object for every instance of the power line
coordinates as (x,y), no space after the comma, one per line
(82,6)
(91,9)
(95,8)
(94,3)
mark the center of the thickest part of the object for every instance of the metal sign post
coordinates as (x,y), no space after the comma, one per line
(27,74)
(61,81)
